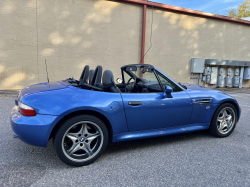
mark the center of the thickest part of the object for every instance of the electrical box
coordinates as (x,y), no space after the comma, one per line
(237,71)
(220,82)
(229,71)
(228,82)
(214,74)
(221,71)
(236,81)
(246,75)
(204,78)
(207,71)
(208,79)
(197,65)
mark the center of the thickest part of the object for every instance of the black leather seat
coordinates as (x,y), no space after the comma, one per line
(109,83)
(97,77)
(84,76)
(91,73)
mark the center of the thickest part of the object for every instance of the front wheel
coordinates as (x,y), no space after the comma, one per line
(224,120)
(81,140)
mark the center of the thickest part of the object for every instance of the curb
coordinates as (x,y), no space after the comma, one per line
(9,92)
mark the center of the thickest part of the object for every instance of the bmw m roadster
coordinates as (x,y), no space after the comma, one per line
(83,116)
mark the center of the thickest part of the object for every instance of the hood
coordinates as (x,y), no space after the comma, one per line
(195,87)
(41,87)
(201,92)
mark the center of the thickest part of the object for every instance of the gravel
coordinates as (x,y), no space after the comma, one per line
(192,159)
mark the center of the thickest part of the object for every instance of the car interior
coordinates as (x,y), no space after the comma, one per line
(135,79)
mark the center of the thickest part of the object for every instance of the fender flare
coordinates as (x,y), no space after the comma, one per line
(70,111)
(228,100)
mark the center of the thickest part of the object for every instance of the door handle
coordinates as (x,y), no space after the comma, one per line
(134,103)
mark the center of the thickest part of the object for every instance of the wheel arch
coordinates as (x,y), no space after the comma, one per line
(231,102)
(80,112)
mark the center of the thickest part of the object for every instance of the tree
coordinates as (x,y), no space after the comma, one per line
(242,11)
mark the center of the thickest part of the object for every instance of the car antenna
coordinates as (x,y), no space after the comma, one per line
(47,73)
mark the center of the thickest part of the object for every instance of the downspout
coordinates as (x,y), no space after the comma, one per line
(143,33)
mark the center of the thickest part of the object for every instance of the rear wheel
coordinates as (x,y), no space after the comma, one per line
(81,140)
(224,120)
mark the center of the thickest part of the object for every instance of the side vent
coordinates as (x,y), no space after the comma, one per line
(203,101)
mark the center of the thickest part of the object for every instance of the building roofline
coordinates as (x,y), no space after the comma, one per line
(186,11)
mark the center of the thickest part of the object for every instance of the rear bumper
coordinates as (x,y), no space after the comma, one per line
(34,130)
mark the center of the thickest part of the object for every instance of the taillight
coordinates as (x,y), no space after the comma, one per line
(26,110)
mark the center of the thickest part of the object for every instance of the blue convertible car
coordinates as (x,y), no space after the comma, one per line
(83,116)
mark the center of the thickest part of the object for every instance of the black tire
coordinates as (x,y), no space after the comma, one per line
(214,123)
(61,139)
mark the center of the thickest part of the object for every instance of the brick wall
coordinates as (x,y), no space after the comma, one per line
(72,33)
(177,38)
(67,33)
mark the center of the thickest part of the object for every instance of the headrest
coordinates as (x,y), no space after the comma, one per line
(107,77)
(97,76)
(85,75)
(91,73)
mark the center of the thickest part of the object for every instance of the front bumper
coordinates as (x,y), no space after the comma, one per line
(34,130)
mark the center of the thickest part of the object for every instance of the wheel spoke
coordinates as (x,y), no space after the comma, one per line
(72,137)
(225,113)
(220,119)
(90,139)
(87,148)
(85,129)
(229,118)
(228,122)
(221,127)
(75,147)
(93,136)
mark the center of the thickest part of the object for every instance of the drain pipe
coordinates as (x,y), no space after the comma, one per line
(143,33)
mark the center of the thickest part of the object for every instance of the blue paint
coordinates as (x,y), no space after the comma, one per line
(32,130)
(115,106)
(168,92)
(159,132)
(158,114)
(156,110)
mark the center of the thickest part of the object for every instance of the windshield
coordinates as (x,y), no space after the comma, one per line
(140,72)
(149,77)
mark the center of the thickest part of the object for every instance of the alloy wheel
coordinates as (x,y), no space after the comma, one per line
(226,120)
(82,141)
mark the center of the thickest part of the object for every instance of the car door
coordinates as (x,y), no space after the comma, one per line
(145,111)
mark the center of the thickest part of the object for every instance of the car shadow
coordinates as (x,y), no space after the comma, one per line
(116,148)
(47,156)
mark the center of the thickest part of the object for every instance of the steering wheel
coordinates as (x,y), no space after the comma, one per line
(130,86)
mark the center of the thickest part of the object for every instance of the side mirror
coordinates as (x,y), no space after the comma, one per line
(168,92)
(119,80)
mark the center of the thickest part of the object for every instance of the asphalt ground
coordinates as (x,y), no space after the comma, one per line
(192,159)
